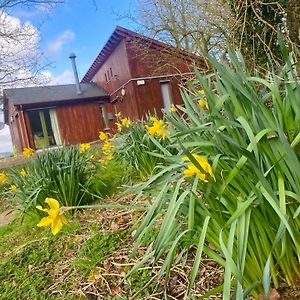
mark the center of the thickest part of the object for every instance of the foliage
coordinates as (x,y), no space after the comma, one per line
(140,152)
(108,178)
(245,215)
(256,26)
(63,174)
(196,26)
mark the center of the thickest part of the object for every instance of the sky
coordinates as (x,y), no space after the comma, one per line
(79,26)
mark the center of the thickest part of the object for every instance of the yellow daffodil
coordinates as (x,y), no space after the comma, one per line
(118,115)
(192,170)
(92,157)
(203,104)
(107,146)
(109,157)
(84,147)
(201,92)
(126,122)
(173,108)
(23,173)
(103,136)
(13,187)
(119,127)
(3,177)
(28,152)
(158,128)
(55,219)
(102,162)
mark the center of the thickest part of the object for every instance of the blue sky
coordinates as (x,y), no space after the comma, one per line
(79,26)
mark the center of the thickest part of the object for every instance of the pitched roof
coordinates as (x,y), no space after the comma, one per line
(116,37)
(53,93)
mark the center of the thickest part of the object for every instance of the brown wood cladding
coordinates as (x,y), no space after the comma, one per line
(117,64)
(146,61)
(79,123)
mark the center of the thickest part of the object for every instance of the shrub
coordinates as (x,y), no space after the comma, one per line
(63,174)
(141,152)
(243,212)
(108,178)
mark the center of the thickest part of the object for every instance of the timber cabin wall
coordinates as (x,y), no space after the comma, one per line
(155,63)
(16,127)
(79,123)
(113,74)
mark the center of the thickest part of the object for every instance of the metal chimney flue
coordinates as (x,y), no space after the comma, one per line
(72,57)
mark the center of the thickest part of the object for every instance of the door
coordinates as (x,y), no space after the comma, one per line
(166,94)
(44,128)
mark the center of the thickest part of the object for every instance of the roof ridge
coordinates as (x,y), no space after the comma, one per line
(114,40)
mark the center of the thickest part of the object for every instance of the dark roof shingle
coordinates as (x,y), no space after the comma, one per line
(54,93)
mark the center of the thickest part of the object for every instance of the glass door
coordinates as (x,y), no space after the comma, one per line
(44,128)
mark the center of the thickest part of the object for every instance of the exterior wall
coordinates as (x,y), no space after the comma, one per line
(118,63)
(145,60)
(79,123)
(17,127)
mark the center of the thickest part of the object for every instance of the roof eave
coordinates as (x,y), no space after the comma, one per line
(101,99)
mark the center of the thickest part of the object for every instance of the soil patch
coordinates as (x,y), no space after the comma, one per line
(13,161)
(6,217)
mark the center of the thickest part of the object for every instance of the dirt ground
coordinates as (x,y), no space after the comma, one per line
(12,161)
(6,217)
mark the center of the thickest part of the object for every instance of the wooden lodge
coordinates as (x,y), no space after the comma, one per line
(132,74)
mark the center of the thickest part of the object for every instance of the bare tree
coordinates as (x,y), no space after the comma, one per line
(197,26)
(256,27)
(21,60)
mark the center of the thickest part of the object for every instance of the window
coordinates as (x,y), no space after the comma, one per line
(111,72)
(105,77)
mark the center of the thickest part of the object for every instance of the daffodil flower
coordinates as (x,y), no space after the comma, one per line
(126,122)
(192,170)
(3,177)
(119,127)
(118,115)
(103,136)
(109,157)
(84,147)
(23,173)
(13,187)
(28,152)
(159,127)
(173,108)
(55,218)
(203,104)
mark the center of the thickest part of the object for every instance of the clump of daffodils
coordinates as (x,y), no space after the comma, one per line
(28,152)
(159,128)
(55,218)
(84,147)
(122,122)
(192,170)
(108,148)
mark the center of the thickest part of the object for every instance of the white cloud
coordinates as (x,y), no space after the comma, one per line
(55,46)
(19,52)
(65,77)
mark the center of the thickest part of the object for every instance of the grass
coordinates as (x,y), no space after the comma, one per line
(89,258)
